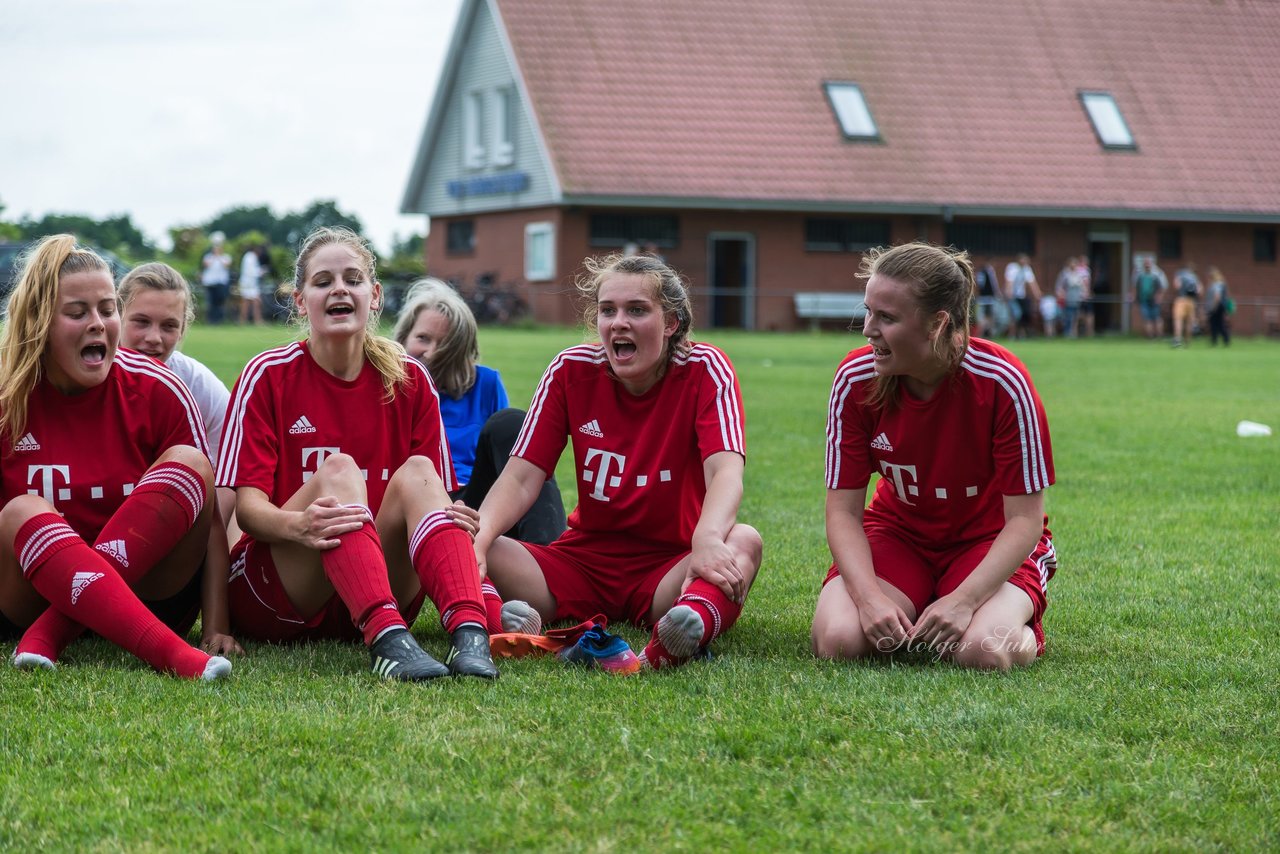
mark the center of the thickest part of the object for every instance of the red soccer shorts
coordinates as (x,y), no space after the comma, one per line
(591,574)
(924,574)
(260,608)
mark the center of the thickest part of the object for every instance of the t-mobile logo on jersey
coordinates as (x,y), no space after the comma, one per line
(900,486)
(317,454)
(604,472)
(906,483)
(47,488)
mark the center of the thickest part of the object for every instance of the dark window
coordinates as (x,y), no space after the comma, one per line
(1264,245)
(618,229)
(992,238)
(845,235)
(461,237)
(1169,242)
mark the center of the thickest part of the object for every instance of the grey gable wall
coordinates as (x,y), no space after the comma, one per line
(483,64)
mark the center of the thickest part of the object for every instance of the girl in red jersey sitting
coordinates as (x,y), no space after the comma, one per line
(656,426)
(88,516)
(953,552)
(336,451)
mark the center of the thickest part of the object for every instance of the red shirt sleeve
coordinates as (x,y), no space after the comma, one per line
(720,424)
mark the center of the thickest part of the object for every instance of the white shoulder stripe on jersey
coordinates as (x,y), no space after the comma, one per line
(1035,475)
(145,365)
(590,353)
(727,410)
(1019,388)
(228,456)
(847,376)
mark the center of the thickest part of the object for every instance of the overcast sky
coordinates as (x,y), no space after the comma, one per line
(172,111)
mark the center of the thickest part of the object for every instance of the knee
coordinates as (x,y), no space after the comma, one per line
(18,510)
(338,471)
(417,472)
(192,458)
(749,543)
(987,651)
(840,642)
(502,428)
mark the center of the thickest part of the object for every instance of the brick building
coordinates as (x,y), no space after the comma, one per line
(762,146)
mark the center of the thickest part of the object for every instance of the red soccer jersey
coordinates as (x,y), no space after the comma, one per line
(287,414)
(638,459)
(84,453)
(945,463)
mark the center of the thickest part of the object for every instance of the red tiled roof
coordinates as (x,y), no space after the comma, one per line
(976,101)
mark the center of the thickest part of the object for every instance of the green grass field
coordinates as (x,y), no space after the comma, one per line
(1151,723)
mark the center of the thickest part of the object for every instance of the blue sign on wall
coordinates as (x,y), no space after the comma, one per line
(489,185)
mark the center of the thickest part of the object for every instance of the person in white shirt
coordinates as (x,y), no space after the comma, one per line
(251,287)
(156,309)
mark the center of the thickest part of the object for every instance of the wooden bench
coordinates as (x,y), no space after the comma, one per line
(817,306)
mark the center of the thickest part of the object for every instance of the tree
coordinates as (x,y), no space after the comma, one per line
(117,234)
(320,213)
(243,219)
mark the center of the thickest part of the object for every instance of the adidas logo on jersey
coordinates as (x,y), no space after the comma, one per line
(881,443)
(80,582)
(302,425)
(115,548)
(27,443)
(592,428)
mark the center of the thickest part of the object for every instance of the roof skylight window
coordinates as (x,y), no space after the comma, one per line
(1108,121)
(851,111)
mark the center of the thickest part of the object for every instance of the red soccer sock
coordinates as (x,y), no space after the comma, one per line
(357,570)
(79,583)
(147,526)
(492,607)
(446,567)
(674,640)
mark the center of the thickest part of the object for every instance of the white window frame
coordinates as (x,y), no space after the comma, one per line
(1108,122)
(539,269)
(473,130)
(852,112)
(502,148)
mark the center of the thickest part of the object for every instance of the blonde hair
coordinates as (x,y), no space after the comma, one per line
(157,277)
(386,356)
(453,364)
(668,289)
(28,318)
(939,279)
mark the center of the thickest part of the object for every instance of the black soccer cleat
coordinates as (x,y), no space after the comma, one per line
(469,653)
(396,655)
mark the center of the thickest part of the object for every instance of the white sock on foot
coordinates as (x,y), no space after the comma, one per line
(32,661)
(216,668)
(521,617)
(680,631)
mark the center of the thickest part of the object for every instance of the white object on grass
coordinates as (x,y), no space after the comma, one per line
(1252,428)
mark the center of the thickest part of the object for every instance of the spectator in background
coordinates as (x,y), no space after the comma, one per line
(1070,292)
(993,311)
(1186,303)
(1023,291)
(251,286)
(1086,302)
(1148,291)
(437,328)
(1217,304)
(215,276)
